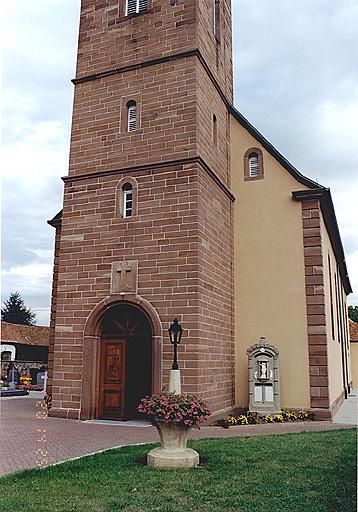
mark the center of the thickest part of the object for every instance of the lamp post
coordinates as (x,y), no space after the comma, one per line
(175,333)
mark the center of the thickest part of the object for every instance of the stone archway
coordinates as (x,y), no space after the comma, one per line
(92,349)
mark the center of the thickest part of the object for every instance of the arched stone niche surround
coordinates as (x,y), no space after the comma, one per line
(92,345)
(267,354)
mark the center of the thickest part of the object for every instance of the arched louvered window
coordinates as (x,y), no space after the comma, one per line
(254,168)
(132,116)
(127,200)
(136,6)
(253,164)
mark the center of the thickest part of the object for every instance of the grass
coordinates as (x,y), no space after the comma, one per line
(310,472)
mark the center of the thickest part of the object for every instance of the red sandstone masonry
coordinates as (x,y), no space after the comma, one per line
(316,320)
(164,239)
(216,320)
(182,233)
(218,51)
(108,39)
(57,225)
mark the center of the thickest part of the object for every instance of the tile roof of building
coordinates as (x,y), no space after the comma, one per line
(25,334)
(353,330)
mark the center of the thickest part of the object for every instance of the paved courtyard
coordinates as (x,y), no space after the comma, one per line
(30,439)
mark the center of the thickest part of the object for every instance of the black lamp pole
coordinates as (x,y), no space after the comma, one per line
(175,333)
(175,359)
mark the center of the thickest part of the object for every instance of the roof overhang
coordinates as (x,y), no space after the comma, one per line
(272,150)
(56,221)
(323,195)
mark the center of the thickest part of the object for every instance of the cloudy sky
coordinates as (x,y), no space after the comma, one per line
(296,80)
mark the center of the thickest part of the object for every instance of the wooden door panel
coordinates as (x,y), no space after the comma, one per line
(112,379)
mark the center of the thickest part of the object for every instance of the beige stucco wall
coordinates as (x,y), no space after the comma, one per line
(269,271)
(354,363)
(334,348)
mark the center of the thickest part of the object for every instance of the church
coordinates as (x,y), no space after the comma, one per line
(176,207)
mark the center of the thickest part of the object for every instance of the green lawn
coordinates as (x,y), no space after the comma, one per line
(306,472)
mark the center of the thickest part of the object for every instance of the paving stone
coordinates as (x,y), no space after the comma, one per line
(29,442)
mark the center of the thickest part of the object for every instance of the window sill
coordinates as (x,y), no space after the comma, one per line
(124,18)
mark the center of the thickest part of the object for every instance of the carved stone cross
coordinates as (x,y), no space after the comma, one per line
(124,277)
(125,267)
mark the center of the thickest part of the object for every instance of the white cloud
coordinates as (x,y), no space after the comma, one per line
(36,150)
(31,277)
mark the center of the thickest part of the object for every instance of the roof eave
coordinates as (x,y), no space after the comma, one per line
(330,220)
(272,150)
(56,221)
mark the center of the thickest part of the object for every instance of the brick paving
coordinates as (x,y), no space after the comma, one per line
(29,440)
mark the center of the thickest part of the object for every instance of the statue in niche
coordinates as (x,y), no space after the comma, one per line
(263,369)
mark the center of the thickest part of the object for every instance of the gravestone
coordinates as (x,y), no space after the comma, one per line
(12,376)
(40,380)
(264,378)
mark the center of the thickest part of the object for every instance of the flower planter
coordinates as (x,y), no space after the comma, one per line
(173,452)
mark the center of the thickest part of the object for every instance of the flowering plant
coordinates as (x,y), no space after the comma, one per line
(268,418)
(305,415)
(186,409)
(25,379)
(253,418)
(278,418)
(288,415)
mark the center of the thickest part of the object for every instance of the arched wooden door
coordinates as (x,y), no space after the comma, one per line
(126,361)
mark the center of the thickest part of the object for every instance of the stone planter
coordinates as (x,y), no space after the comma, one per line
(173,452)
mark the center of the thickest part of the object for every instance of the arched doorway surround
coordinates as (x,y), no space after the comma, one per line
(92,349)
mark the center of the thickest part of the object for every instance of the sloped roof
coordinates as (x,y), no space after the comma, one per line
(353,330)
(25,334)
(272,150)
(315,190)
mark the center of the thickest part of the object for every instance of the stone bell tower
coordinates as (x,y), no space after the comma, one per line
(146,226)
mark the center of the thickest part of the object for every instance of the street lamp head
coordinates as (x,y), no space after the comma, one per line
(175,332)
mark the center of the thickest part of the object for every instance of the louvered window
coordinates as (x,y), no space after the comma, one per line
(136,6)
(215,130)
(127,200)
(132,116)
(213,15)
(254,167)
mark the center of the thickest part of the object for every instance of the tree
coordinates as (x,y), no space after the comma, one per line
(353,313)
(14,311)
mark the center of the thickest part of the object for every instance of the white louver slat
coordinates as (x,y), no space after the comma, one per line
(254,168)
(136,6)
(131,7)
(142,5)
(132,117)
